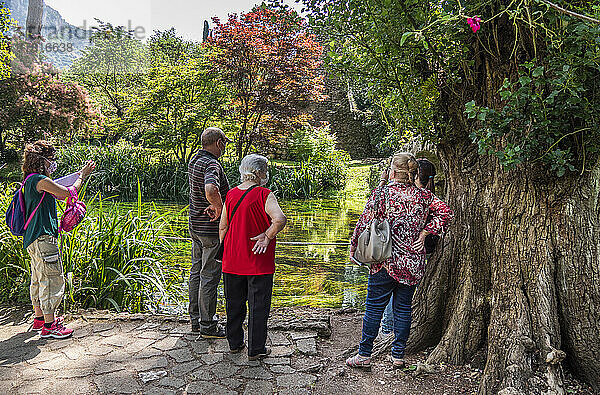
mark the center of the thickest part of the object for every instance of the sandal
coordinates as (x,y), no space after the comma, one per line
(359,362)
(398,363)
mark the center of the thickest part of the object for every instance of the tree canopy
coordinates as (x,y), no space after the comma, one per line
(272,65)
(409,52)
(111,69)
(182,95)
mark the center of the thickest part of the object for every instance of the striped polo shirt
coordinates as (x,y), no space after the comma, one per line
(204,168)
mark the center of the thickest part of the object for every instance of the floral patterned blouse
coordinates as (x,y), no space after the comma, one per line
(409,208)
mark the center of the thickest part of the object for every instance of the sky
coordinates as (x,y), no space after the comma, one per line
(187,16)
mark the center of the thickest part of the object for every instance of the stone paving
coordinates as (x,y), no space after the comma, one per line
(149,357)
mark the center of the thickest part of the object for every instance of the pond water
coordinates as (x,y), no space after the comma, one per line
(306,275)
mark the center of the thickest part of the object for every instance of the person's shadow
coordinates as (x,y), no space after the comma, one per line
(24,344)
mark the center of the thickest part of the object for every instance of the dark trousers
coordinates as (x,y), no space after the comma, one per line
(256,290)
(381,288)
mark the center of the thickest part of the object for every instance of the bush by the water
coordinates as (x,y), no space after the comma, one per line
(162,177)
(113,259)
(119,168)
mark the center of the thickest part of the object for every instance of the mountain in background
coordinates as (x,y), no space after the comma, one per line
(55,30)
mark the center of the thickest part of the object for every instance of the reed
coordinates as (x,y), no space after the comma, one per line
(113,259)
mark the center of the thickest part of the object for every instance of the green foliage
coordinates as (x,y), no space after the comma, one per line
(311,143)
(423,62)
(120,167)
(5,54)
(14,260)
(550,113)
(112,69)
(310,178)
(113,260)
(322,168)
(164,178)
(181,96)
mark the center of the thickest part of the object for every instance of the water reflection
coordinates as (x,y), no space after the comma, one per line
(310,275)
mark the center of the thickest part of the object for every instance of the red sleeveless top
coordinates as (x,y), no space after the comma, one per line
(249,221)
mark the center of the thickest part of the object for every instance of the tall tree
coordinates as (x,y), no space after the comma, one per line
(5,53)
(205,32)
(179,101)
(509,92)
(272,65)
(112,69)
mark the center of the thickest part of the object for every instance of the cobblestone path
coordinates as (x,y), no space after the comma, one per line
(149,357)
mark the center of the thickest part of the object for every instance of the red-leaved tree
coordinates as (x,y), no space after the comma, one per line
(273,66)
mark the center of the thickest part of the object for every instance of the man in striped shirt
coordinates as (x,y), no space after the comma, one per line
(208,187)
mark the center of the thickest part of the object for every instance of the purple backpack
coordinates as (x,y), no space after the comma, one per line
(74,212)
(15,214)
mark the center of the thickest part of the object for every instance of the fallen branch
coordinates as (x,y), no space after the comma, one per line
(570,13)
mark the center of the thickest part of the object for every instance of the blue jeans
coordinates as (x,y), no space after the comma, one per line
(387,322)
(381,288)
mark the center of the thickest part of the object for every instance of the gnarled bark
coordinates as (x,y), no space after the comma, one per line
(517,274)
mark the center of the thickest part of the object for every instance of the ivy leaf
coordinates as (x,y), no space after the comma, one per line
(524,80)
(404,37)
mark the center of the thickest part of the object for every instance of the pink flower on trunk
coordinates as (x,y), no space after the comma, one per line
(474,23)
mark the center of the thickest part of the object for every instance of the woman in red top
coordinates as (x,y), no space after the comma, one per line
(249,255)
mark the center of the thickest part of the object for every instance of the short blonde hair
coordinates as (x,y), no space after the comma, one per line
(251,165)
(405,167)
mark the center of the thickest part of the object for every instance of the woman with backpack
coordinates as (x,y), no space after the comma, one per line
(406,208)
(40,236)
(425,179)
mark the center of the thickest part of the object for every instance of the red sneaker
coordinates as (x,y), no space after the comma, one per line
(38,324)
(56,331)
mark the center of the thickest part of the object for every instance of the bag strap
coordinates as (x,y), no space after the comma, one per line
(73,198)
(38,206)
(383,190)
(239,202)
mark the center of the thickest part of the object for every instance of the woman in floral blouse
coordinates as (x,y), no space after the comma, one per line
(407,208)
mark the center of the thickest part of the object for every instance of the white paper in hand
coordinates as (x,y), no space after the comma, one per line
(67,181)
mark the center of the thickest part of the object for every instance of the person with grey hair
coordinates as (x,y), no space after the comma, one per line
(250,221)
(208,188)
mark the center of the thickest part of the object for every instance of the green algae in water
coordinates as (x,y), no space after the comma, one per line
(312,275)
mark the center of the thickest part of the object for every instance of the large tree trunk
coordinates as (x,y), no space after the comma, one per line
(517,276)
(35,13)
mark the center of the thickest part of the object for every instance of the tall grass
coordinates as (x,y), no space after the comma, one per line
(112,259)
(14,260)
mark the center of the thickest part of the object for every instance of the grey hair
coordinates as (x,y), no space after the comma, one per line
(251,165)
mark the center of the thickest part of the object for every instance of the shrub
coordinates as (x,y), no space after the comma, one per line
(311,143)
(120,167)
(163,178)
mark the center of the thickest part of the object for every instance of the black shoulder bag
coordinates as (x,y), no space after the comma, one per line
(219,255)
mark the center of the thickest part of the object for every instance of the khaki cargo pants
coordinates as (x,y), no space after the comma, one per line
(47,280)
